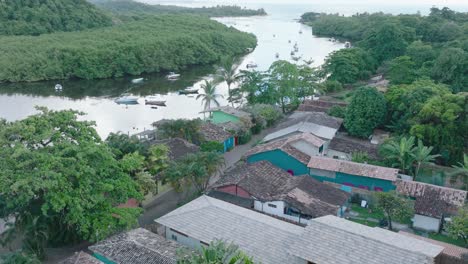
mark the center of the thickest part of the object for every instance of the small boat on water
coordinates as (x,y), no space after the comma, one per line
(252,65)
(277,55)
(347,44)
(292,53)
(189,90)
(300,31)
(154,100)
(173,76)
(154,107)
(289,41)
(58,87)
(127,99)
(139,80)
(250,50)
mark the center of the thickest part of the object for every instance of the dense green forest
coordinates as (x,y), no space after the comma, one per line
(157,43)
(132,8)
(35,17)
(425,58)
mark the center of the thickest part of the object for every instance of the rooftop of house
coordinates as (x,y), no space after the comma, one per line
(229,110)
(350,145)
(212,132)
(137,246)
(319,124)
(81,258)
(319,105)
(266,182)
(178,147)
(450,250)
(206,219)
(430,205)
(417,189)
(284,144)
(353,168)
(331,239)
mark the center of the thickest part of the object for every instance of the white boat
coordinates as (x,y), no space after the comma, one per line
(58,87)
(173,76)
(300,31)
(127,99)
(189,90)
(249,49)
(277,55)
(139,80)
(154,100)
(347,44)
(252,65)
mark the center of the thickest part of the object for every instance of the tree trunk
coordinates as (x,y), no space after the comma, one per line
(389,223)
(282,106)
(417,171)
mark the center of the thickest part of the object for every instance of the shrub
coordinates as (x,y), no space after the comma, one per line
(337,111)
(245,137)
(332,86)
(212,146)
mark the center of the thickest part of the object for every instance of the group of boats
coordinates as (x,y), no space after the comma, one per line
(128,98)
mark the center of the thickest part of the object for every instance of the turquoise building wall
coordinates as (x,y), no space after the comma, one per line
(229,144)
(282,160)
(357,181)
(219,117)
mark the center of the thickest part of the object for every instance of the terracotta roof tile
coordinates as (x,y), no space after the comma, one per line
(212,132)
(429,204)
(178,147)
(81,258)
(416,189)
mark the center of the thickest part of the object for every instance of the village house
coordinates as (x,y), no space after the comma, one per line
(290,154)
(274,191)
(316,123)
(226,114)
(343,147)
(81,257)
(327,239)
(433,203)
(319,105)
(137,246)
(216,133)
(177,147)
(352,174)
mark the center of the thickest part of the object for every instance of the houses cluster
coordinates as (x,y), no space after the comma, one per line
(285,202)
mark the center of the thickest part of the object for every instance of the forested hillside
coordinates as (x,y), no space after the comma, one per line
(129,8)
(35,17)
(158,43)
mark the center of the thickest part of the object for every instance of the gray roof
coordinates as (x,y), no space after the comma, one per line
(316,123)
(331,239)
(352,145)
(81,258)
(319,105)
(178,148)
(264,238)
(213,132)
(137,246)
(266,182)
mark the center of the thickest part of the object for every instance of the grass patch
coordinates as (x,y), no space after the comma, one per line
(447,239)
(364,222)
(367,213)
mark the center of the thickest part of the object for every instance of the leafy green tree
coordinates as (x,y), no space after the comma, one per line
(393,206)
(399,153)
(348,65)
(212,146)
(451,67)
(19,257)
(209,95)
(365,112)
(460,172)
(420,53)
(337,111)
(122,144)
(157,159)
(360,157)
(217,252)
(264,115)
(284,81)
(422,155)
(61,182)
(402,70)
(255,85)
(386,41)
(458,227)
(181,128)
(227,73)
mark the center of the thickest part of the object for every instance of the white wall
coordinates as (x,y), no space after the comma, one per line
(341,155)
(306,148)
(184,240)
(323,173)
(263,207)
(426,223)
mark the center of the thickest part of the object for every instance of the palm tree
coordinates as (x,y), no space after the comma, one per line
(460,172)
(217,252)
(209,96)
(227,73)
(400,152)
(422,155)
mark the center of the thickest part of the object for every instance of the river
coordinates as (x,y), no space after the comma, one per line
(276,33)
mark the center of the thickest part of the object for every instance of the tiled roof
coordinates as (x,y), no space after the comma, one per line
(138,246)
(416,189)
(212,132)
(266,182)
(264,238)
(178,147)
(430,205)
(331,240)
(450,252)
(81,258)
(351,145)
(230,110)
(353,168)
(318,118)
(285,145)
(319,105)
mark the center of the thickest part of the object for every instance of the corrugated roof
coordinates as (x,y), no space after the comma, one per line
(138,246)
(81,258)
(264,238)
(352,145)
(331,240)
(353,168)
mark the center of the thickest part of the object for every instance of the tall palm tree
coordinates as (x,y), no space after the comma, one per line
(209,95)
(422,155)
(401,152)
(227,73)
(461,172)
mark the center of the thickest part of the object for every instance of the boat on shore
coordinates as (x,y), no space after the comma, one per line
(154,100)
(139,80)
(127,99)
(189,90)
(58,87)
(252,65)
(173,76)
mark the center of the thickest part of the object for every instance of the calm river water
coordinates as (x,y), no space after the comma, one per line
(96,98)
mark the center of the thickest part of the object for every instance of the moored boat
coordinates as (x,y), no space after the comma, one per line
(127,99)
(154,100)
(252,65)
(139,80)
(173,76)
(189,90)
(58,87)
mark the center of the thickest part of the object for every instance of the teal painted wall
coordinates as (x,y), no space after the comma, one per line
(342,178)
(228,144)
(221,117)
(280,159)
(103,259)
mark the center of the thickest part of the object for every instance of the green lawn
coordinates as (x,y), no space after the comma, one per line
(364,222)
(447,239)
(366,212)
